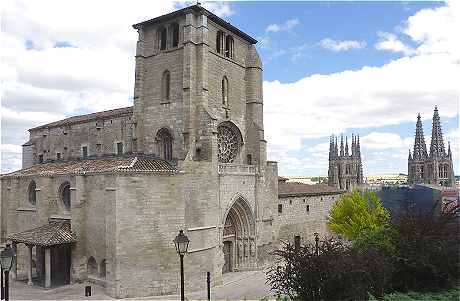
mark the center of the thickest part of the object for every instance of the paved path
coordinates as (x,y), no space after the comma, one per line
(237,286)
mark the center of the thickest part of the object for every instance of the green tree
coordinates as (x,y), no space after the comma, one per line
(361,218)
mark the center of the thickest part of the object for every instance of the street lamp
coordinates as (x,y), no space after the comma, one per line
(2,291)
(6,261)
(316,242)
(181,242)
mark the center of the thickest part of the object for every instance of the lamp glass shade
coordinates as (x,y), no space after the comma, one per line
(6,258)
(181,242)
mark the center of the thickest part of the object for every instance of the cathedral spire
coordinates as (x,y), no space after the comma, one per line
(331,146)
(358,148)
(341,145)
(346,147)
(419,144)
(336,147)
(353,145)
(449,152)
(437,149)
(410,155)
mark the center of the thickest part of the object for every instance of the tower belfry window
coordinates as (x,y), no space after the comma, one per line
(229,46)
(175,34)
(225,91)
(165,86)
(164,140)
(162,35)
(219,41)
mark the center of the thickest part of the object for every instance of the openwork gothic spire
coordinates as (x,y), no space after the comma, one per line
(419,145)
(358,148)
(341,145)
(437,143)
(346,146)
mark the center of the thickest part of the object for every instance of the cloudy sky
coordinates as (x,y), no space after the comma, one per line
(329,68)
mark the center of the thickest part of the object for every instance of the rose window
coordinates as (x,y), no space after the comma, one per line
(227,142)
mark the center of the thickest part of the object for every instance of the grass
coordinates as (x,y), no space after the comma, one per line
(448,295)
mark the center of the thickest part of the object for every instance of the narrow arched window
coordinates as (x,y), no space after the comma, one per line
(229,46)
(165,85)
(225,91)
(175,34)
(164,140)
(219,41)
(162,35)
(102,269)
(64,194)
(32,193)
(91,266)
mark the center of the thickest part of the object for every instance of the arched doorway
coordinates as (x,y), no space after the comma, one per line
(238,238)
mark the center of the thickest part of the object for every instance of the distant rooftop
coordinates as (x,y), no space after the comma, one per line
(292,189)
(86,118)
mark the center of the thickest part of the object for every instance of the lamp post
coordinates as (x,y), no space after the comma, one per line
(6,261)
(316,242)
(1,276)
(181,242)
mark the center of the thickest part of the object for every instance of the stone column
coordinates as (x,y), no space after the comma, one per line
(29,267)
(14,269)
(47,267)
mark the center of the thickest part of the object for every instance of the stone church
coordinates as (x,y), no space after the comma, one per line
(345,168)
(101,196)
(435,167)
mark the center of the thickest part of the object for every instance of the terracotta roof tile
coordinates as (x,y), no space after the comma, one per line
(86,118)
(288,189)
(89,166)
(55,233)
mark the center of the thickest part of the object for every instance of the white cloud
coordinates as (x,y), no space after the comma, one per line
(435,30)
(431,30)
(319,105)
(389,41)
(341,45)
(220,8)
(288,25)
(382,140)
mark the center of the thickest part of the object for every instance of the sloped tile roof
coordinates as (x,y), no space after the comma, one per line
(86,118)
(101,165)
(290,189)
(55,233)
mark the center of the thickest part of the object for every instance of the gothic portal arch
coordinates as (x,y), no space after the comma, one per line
(238,237)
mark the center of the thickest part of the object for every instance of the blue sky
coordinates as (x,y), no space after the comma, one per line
(329,68)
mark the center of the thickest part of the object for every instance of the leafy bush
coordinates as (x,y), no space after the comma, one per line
(448,295)
(418,251)
(338,272)
(362,219)
(427,246)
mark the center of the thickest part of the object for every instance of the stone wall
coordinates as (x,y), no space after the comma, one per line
(304,216)
(99,136)
(149,212)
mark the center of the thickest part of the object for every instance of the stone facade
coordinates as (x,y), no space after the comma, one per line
(435,167)
(190,154)
(345,169)
(65,139)
(303,210)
